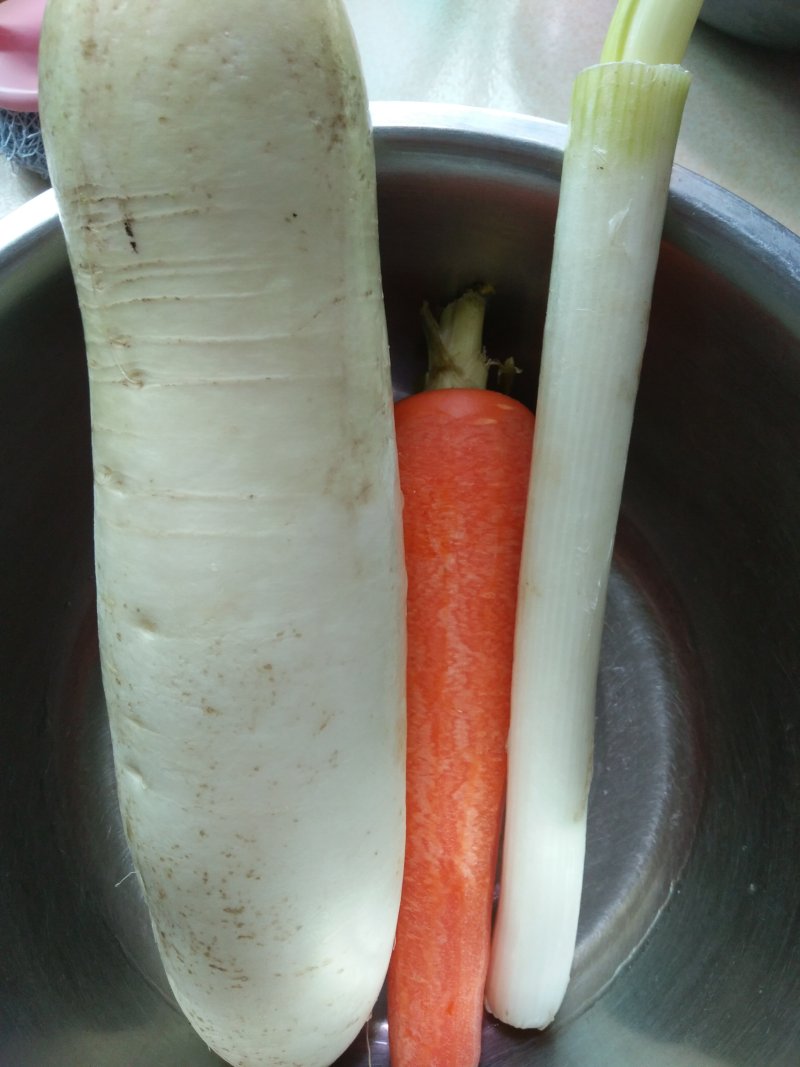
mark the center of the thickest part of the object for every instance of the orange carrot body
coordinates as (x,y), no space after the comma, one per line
(464,465)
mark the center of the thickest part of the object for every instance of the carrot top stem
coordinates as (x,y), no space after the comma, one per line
(456,356)
(507,371)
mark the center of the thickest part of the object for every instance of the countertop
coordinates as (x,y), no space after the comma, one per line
(741,125)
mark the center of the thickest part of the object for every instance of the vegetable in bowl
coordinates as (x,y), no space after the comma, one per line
(215,178)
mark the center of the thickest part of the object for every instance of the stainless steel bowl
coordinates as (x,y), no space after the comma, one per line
(689,944)
(770,23)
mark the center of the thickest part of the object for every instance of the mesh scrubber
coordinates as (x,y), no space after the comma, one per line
(21,140)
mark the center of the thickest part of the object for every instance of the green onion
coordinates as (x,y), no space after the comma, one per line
(650,31)
(624,125)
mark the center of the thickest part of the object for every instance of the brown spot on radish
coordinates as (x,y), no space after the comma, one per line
(364,492)
(133,379)
(127,223)
(209,710)
(128,827)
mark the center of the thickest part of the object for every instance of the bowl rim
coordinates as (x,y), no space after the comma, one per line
(724,231)
(733,237)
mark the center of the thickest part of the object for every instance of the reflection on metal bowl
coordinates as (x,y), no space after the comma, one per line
(689,942)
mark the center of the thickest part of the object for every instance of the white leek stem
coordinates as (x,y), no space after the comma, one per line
(623,131)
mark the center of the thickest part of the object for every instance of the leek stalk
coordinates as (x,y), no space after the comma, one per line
(624,124)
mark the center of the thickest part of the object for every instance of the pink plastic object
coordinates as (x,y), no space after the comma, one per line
(20,22)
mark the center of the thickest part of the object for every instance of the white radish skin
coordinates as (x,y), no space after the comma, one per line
(214,172)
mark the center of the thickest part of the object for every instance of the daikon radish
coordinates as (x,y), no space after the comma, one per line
(214,171)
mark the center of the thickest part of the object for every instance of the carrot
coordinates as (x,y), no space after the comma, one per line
(464,457)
